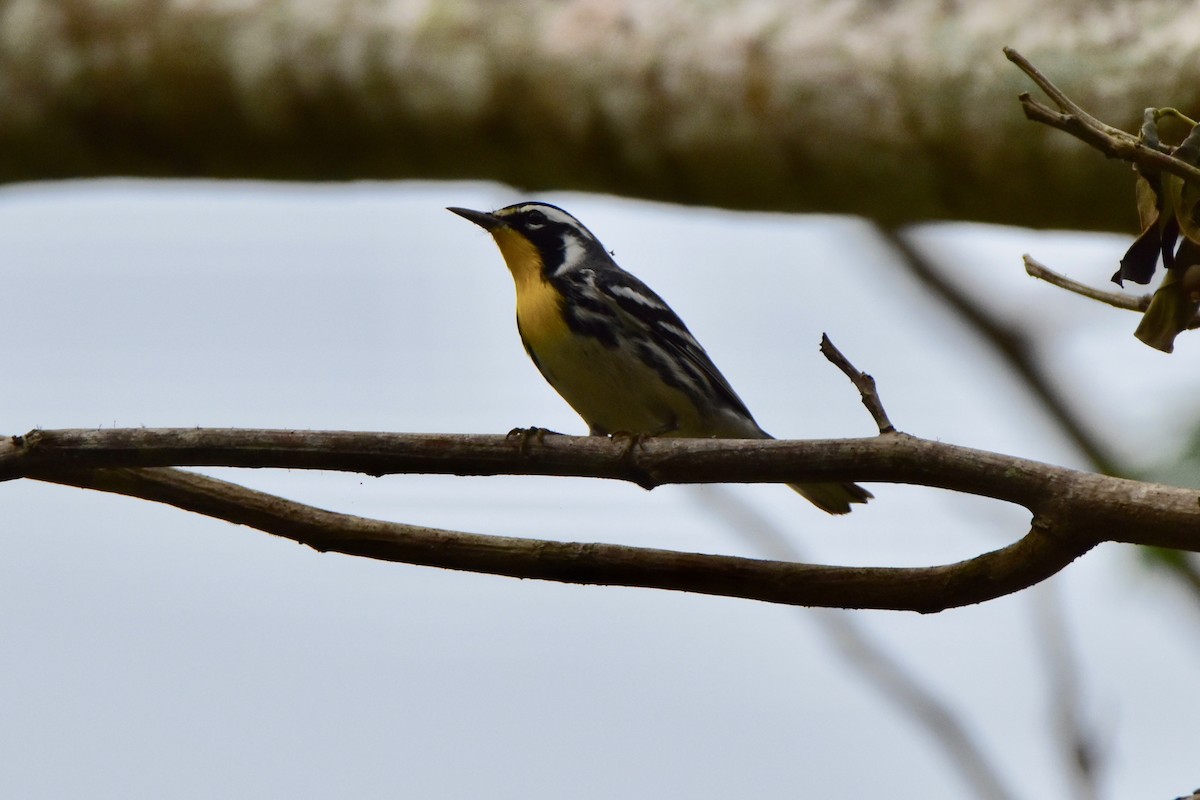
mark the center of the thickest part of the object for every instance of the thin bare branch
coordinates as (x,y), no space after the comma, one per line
(862,381)
(1035,269)
(1138,303)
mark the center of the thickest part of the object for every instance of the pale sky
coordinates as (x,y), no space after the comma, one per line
(150,653)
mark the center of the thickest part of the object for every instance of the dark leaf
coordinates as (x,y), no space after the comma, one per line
(1141,258)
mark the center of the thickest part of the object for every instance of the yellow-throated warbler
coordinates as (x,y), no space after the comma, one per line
(611,347)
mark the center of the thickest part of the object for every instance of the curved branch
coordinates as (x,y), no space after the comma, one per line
(1034,558)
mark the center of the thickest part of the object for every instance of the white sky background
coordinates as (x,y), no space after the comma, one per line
(150,653)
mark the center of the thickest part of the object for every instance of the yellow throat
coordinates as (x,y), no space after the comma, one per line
(539,304)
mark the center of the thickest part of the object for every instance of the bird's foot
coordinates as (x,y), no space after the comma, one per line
(628,461)
(526,435)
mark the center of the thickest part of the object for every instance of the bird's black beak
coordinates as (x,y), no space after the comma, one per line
(481,218)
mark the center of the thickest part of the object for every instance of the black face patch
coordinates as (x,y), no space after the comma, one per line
(553,232)
(551,241)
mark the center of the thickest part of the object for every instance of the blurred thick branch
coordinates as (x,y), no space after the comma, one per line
(918,699)
(780,104)
(1072,511)
(1014,347)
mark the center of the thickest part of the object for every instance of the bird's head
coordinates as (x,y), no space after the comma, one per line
(538,239)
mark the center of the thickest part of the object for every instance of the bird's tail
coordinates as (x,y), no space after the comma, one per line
(834,498)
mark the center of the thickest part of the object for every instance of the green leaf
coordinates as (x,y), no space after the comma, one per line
(1170,311)
(1185,196)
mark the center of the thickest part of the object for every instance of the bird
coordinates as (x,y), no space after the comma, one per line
(611,347)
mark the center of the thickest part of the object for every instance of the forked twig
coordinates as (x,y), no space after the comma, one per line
(1113,142)
(1060,99)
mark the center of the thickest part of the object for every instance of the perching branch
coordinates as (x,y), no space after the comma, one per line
(1072,511)
(1078,739)
(1117,509)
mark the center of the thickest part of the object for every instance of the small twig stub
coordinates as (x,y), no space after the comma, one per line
(862,381)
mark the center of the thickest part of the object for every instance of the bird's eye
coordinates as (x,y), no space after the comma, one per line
(535,218)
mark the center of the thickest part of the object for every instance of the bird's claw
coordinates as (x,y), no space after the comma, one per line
(627,460)
(525,435)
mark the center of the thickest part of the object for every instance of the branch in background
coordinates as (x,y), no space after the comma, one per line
(581,96)
(1081,750)
(895,683)
(1019,352)
(1016,349)
(903,689)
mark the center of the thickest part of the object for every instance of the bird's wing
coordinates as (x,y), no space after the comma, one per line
(644,317)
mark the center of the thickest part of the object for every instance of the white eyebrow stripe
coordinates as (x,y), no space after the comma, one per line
(556,215)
